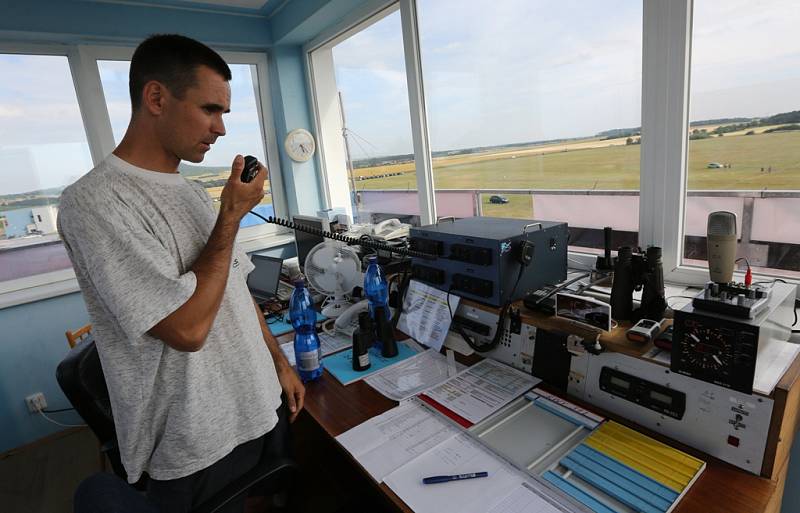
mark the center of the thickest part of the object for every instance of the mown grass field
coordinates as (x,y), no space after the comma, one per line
(613,166)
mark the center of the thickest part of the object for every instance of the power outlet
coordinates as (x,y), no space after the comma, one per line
(36,402)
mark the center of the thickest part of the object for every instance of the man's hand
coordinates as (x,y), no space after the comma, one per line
(292,387)
(237,197)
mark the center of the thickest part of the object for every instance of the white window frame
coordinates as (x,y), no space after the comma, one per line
(82,61)
(666,59)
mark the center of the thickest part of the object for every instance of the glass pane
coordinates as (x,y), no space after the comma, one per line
(744,133)
(243,132)
(535,111)
(370,77)
(43,150)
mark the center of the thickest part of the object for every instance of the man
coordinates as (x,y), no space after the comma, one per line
(194,375)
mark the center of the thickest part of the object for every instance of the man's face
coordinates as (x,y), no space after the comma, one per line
(189,126)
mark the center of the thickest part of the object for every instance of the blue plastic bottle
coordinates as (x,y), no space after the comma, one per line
(307,350)
(376,290)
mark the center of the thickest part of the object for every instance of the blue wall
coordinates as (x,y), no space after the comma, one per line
(33,344)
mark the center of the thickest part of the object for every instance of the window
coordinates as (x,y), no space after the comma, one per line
(361,89)
(243,130)
(44,149)
(744,147)
(534,111)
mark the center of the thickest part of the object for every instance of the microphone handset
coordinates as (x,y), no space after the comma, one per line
(250,169)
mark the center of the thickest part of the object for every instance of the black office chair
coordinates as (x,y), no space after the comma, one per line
(80,376)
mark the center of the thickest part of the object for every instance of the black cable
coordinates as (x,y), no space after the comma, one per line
(372,244)
(58,411)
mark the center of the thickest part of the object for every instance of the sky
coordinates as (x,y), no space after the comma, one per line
(517,71)
(546,69)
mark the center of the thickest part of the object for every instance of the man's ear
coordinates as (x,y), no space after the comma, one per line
(154,94)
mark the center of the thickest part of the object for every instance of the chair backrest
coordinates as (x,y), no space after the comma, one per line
(82,333)
(80,376)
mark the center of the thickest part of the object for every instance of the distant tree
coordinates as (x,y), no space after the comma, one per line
(751,132)
(629,141)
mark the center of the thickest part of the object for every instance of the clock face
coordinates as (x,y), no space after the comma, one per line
(299,145)
(708,350)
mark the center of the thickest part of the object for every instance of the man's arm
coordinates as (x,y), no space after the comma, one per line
(292,387)
(186,328)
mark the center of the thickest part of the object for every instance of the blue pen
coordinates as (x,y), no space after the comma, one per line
(457,477)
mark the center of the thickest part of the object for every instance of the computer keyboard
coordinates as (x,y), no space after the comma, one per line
(284,291)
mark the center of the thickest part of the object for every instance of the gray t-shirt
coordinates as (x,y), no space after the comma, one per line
(132,236)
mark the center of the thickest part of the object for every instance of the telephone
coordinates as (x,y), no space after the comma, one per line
(390,229)
(347,322)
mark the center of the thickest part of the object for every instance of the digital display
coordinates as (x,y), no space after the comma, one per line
(619,382)
(662,398)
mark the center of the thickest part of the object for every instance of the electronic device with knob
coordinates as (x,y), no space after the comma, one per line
(722,349)
(734,299)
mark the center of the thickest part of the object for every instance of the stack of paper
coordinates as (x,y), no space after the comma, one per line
(388,441)
(479,391)
(410,377)
(456,455)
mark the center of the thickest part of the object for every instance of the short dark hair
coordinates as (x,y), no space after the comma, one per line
(172,60)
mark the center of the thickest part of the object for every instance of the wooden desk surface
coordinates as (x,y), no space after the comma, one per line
(721,488)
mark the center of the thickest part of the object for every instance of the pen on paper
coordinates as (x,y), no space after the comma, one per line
(456,477)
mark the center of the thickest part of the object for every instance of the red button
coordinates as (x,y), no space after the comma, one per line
(732,440)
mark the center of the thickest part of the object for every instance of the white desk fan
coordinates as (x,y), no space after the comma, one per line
(334,270)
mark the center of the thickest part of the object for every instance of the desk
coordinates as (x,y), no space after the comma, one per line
(721,488)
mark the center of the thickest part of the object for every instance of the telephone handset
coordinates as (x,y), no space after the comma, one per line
(347,322)
(390,229)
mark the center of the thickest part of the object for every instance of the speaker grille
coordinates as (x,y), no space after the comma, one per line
(722,223)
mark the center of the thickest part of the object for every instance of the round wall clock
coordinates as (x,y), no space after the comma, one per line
(299,145)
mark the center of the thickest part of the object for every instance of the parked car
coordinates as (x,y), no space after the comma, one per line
(714,165)
(497,199)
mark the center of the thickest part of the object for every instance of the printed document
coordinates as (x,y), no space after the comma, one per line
(410,377)
(526,499)
(426,316)
(460,454)
(479,391)
(392,439)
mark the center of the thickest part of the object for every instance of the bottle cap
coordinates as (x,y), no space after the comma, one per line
(299,283)
(372,259)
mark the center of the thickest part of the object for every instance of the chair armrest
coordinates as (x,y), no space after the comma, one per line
(278,472)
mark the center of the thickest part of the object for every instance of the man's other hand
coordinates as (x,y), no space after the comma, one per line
(293,388)
(237,197)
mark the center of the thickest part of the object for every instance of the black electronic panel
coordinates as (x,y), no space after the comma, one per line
(715,350)
(491,260)
(644,393)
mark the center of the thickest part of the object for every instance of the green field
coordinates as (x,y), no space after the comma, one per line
(617,167)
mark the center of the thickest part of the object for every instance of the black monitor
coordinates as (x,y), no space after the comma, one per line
(263,280)
(305,241)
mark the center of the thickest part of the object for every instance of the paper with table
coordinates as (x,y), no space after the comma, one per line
(479,391)
(426,316)
(329,343)
(410,377)
(392,439)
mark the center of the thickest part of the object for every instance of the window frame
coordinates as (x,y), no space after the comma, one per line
(666,66)
(82,61)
